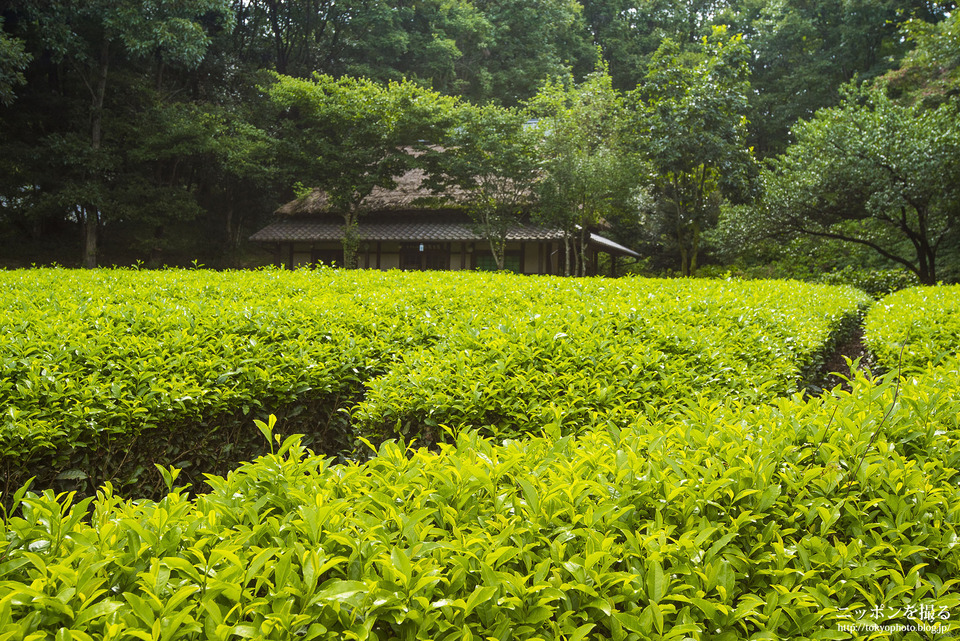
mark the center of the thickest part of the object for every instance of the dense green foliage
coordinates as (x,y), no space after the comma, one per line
(930,73)
(144,130)
(696,498)
(870,172)
(724,522)
(915,328)
(876,282)
(569,358)
(171,367)
(188,355)
(693,115)
(13,60)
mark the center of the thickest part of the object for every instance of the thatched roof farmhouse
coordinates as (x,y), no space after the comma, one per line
(409,227)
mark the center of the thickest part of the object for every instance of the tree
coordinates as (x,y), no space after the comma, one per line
(930,73)
(436,42)
(588,169)
(346,136)
(804,51)
(489,155)
(630,31)
(691,111)
(529,41)
(293,37)
(13,60)
(96,39)
(870,172)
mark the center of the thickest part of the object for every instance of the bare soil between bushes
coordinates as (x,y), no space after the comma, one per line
(836,371)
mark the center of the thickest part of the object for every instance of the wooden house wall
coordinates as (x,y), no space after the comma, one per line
(529,257)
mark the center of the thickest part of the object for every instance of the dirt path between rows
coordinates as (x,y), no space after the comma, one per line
(835,369)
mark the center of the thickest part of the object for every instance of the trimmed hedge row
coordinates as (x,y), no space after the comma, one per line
(923,323)
(791,520)
(587,352)
(104,373)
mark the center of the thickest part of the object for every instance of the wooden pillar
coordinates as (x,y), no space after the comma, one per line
(463,256)
(378,254)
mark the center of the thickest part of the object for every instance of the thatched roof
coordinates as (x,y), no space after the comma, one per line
(408,194)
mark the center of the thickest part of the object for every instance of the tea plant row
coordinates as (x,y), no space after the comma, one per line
(104,373)
(915,327)
(725,521)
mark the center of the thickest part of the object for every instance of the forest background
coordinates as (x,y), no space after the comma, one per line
(813,139)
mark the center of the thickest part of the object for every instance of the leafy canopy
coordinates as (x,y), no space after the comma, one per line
(872,172)
(588,158)
(691,113)
(347,136)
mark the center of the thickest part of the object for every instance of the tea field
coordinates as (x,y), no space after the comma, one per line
(104,374)
(915,327)
(578,459)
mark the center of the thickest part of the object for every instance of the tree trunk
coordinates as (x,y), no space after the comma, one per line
(92,212)
(926,274)
(228,226)
(694,249)
(351,241)
(156,251)
(231,232)
(583,250)
(566,249)
(281,48)
(681,233)
(499,251)
(926,255)
(91,219)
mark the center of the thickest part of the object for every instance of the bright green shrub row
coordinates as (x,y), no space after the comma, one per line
(923,322)
(876,282)
(593,350)
(172,364)
(103,373)
(782,521)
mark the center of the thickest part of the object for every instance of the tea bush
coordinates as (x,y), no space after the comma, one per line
(922,322)
(786,520)
(876,282)
(589,351)
(104,373)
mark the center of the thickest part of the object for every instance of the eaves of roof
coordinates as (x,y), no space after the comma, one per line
(292,230)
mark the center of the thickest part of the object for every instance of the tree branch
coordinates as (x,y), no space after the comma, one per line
(853,239)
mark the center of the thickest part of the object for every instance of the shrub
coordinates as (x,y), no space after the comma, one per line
(876,282)
(922,323)
(777,521)
(106,373)
(586,352)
